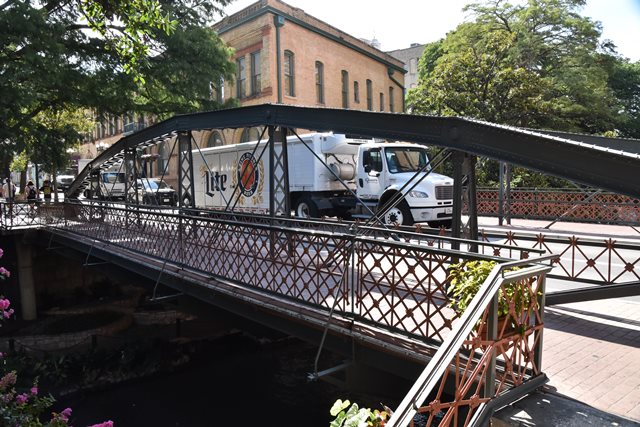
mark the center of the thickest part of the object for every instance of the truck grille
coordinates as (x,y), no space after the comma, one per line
(444,192)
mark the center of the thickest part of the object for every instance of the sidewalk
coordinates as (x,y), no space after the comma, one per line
(591,354)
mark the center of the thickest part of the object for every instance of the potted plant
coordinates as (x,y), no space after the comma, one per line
(465,279)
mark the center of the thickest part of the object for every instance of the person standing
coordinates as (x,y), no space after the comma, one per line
(32,195)
(46,190)
(9,193)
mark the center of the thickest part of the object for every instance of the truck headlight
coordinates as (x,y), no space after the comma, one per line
(418,194)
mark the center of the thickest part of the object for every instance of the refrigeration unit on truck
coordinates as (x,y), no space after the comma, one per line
(105,184)
(237,176)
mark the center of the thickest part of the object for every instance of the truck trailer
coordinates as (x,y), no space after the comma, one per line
(319,165)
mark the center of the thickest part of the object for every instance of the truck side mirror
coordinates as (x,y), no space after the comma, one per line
(367,168)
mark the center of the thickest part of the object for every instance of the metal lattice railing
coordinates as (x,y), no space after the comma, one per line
(485,356)
(571,205)
(393,281)
(604,260)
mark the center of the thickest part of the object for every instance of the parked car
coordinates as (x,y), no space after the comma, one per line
(63,182)
(152,191)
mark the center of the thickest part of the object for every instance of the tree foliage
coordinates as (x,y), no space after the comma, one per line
(59,59)
(535,64)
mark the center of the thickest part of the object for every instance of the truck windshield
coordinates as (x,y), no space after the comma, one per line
(405,159)
(111,177)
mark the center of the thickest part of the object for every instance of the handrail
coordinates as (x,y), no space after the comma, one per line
(450,346)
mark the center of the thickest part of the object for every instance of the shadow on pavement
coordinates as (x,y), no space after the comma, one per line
(561,319)
(548,409)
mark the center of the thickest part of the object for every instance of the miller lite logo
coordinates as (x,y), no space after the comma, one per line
(249,174)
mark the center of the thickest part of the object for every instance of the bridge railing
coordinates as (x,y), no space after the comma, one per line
(586,259)
(387,282)
(570,204)
(391,279)
(485,357)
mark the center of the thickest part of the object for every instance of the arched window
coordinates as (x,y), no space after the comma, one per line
(369,95)
(319,82)
(250,134)
(392,106)
(289,73)
(356,92)
(241,78)
(345,89)
(256,83)
(215,139)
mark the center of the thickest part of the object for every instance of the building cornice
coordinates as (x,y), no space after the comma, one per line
(263,7)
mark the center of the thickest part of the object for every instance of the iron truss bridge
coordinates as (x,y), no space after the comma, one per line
(380,293)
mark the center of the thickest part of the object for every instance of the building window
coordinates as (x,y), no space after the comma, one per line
(241,77)
(163,159)
(218,91)
(289,73)
(250,134)
(413,66)
(391,104)
(256,85)
(345,89)
(215,139)
(381,101)
(369,95)
(356,92)
(319,82)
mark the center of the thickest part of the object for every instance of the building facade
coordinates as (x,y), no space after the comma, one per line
(284,55)
(411,58)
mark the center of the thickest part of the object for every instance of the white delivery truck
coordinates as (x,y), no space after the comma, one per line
(235,175)
(105,184)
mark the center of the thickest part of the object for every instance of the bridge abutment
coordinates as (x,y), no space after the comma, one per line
(26,283)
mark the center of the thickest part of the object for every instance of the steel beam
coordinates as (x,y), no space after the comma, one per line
(589,164)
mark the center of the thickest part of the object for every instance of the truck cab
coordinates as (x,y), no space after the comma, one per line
(383,171)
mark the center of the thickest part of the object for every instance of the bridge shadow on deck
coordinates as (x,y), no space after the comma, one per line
(610,329)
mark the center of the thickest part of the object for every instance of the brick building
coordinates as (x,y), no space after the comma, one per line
(319,65)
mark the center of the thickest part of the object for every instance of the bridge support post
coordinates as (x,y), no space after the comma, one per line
(278,173)
(185,171)
(456,222)
(504,193)
(469,169)
(25,279)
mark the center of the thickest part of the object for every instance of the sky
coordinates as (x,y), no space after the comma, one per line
(398,23)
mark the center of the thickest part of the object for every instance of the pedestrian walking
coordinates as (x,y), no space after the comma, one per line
(31,193)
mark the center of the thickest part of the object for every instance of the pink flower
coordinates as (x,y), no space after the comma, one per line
(34,390)
(103,424)
(1,253)
(65,414)
(9,379)
(7,314)
(4,303)
(4,272)
(21,399)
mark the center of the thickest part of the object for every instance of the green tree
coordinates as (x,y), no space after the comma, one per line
(110,57)
(537,64)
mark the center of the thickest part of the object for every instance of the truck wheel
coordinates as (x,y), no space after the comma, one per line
(399,214)
(306,208)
